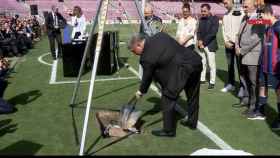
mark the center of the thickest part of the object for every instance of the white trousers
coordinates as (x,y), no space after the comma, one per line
(208,59)
(140,71)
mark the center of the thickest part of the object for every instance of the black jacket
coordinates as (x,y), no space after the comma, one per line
(165,60)
(49,21)
(207,31)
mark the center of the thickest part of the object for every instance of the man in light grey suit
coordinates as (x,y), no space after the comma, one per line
(249,44)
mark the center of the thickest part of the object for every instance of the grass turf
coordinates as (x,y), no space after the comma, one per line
(45,124)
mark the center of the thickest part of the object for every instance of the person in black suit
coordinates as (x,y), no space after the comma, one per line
(207,42)
(176,68)
(54,22)
(151,19)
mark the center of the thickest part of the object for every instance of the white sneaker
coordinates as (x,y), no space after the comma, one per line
(227,88)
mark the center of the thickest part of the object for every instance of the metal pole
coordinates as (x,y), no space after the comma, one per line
(93,75)
(86,52)
(143,5)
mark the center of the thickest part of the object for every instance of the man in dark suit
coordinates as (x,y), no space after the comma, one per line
(176,68)
(207,42)
(54,22)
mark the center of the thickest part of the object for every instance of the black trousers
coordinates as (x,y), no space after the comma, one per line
(55,36)
(192,89)
(3,86)
(250,77)
(231,58)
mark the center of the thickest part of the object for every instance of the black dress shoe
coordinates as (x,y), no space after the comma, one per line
(187,123)
(162,133)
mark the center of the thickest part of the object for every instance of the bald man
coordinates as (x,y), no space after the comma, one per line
(248,47)
(150,19)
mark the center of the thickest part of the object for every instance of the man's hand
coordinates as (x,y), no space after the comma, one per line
(138,94)
(200,44)
(228,45)
(237,51)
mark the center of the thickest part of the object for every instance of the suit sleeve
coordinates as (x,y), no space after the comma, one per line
(48,22)
(253,40)
(226,39)
(199,31)
(213,32)
(62,18)
(148,71)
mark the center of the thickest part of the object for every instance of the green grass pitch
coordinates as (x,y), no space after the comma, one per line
(45,124)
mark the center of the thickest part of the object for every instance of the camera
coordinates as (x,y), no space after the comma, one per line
(236,8)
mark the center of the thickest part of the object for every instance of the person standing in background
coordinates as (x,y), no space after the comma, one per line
(207,43)
(185,34)
(230,28)
(78,22)
(53,24)
(248,47)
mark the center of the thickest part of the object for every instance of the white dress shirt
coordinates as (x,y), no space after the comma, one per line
(79,25)
(187,27)
(55,20)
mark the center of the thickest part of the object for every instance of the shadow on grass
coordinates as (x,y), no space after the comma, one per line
(76,134)
(122,60)
(156,109)
(271,115)
(21,148)
(105,94)
(25,98)
(6,126)
(107,145)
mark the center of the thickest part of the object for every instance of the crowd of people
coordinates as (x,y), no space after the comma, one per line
(252,47)
(18,34)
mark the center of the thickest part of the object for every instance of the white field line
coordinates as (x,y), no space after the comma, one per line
(40,59)
(97,80)
(54,71)
(54,74)
(201,127)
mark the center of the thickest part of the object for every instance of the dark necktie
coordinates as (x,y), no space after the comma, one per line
(55,20)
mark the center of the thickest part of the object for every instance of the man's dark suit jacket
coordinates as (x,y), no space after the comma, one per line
(207,31)
(165,60)
(50,22)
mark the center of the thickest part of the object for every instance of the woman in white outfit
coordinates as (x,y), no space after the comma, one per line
(186,29)
(79,23)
